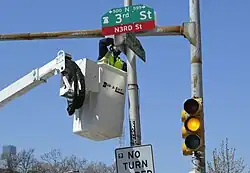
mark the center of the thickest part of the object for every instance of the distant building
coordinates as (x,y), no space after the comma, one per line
(2,163)
(8,150)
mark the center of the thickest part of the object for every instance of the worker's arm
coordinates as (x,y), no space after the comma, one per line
(33,79)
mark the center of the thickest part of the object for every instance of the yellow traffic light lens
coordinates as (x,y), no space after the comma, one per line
(191,106)
(193,124)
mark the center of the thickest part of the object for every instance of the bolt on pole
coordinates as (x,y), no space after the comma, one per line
(133,96)
(196,75)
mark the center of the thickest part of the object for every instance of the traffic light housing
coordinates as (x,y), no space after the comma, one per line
(193,126)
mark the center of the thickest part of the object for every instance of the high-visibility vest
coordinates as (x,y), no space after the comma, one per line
(116,62)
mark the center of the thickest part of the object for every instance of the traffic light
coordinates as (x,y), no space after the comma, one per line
(193,126)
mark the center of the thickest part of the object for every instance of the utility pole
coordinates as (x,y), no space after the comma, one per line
(133,96)
(196,76)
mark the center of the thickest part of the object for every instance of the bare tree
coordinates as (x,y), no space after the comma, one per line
(20,162)
(112,168)
(100,167)
(54,162)
(38,167)
(75,163)
(26,160)
(224,160)
(10,162)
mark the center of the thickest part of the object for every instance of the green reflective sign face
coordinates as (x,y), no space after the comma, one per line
(126,15)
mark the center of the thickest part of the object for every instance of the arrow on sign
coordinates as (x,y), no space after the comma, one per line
(135,45)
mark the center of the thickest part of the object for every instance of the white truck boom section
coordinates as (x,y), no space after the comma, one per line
(33,79)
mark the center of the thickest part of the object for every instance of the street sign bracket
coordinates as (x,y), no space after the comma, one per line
(135,45)
(190,32)
(119,42)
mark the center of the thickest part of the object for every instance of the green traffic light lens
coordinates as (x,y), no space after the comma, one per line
(191,106)
(193,142)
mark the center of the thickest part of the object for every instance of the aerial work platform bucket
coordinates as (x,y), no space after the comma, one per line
(102,114)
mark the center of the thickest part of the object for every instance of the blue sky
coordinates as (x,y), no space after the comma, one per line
(39,119)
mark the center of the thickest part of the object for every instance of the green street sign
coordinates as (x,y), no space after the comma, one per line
(126,15)
(135,45)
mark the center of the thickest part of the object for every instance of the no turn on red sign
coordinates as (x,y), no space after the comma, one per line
(137,159)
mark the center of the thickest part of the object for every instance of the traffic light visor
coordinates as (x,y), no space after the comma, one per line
(192,124)
(184,116)
(185,150)
(193,142)
(191,106)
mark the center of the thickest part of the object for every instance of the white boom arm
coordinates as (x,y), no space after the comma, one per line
(33,79)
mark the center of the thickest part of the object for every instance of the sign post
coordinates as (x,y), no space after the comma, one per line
(134,18)
(136,159)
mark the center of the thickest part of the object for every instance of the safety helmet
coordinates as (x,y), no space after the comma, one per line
(110,36)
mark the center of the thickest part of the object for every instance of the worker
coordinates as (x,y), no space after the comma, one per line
(111,55)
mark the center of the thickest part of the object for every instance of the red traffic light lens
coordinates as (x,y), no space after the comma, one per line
(191,106)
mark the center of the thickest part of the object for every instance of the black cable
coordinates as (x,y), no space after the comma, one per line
(80,97)
(73,73)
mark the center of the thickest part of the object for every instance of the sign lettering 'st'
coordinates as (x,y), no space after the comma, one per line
(145,15)
(149,14)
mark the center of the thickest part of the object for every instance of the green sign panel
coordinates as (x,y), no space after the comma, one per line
(126,15)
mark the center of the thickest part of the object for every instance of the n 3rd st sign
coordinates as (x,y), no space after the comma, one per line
(137,159)
(133,18)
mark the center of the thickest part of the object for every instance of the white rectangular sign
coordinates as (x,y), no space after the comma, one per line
(137,159)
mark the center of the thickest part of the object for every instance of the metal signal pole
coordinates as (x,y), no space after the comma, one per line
(133,96)
(196,75)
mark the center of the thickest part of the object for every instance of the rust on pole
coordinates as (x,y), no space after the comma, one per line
(159,31)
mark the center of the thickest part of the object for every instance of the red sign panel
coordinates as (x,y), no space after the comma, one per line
(133,27)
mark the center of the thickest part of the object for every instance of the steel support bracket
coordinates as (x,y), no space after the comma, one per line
(119,42)
(190,32)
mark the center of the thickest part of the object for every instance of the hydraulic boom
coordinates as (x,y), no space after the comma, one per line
(61,64)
